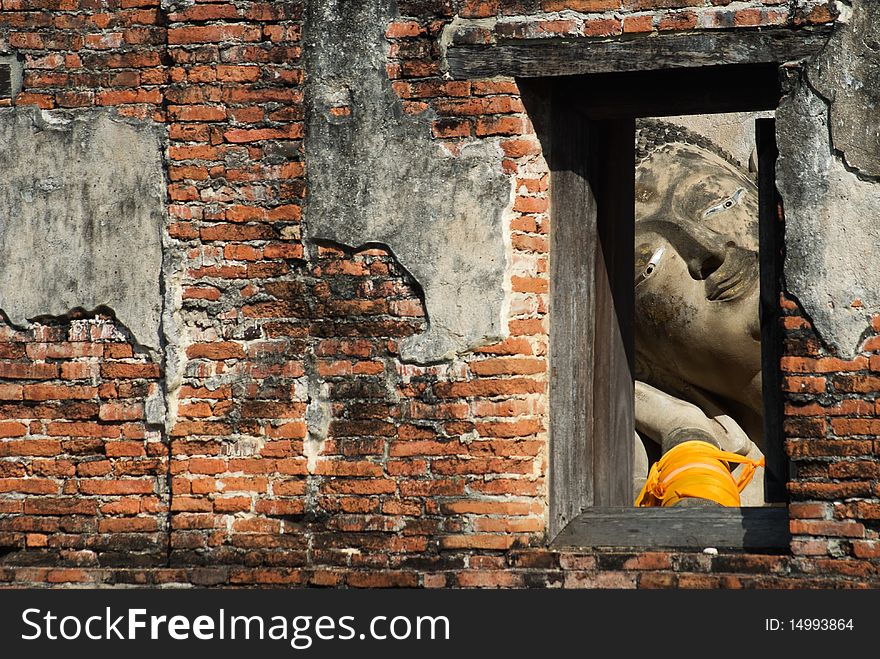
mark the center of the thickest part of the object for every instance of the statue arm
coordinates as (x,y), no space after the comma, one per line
(669,421)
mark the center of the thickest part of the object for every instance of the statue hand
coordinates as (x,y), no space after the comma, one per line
(670,421)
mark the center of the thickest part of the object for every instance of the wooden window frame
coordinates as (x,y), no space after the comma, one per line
(583,97)
(592,156)
(10,76)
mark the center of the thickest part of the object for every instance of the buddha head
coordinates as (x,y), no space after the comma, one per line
(696,274)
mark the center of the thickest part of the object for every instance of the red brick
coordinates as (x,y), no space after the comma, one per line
(197,113)
(59,506)
(488,387)
(11,391)
(22,371)
(451,128)
(580,5)
(866,510)
(81,429)
(67,576)
(643,23)
(846,529)
(804,385)
(810,547)
(805,427)
(476,541)
(822,365)
(116,487)
(809,510)
(192,34)
(126,449)
(866,549)
(857,383)
(602,27)
(858,469)
(508,366)
(58,392)
(846,407)
(128,525)
(403,29)
(123,370)
(43,351)
(220,350)
(649,561)
(29,485)
(684,20)
(855,426)
(375,579)
(831,491)
(834,447)
(192,504)
(245,135)
(487,126)
(12,429)
(358,486)
(519,428)
(347,468)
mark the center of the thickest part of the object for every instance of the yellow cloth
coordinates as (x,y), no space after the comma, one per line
(697,470)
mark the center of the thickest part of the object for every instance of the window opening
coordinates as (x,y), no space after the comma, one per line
(588,127)
(699,406)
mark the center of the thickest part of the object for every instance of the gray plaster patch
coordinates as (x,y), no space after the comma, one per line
(375,176)
(847,73)
(82,209)
(832,235)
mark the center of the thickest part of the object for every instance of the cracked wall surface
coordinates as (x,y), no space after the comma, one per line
(847,74)
(829,141)
(81,228)
(376,176)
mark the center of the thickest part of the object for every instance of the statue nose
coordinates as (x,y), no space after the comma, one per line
(703,267)
(705,252)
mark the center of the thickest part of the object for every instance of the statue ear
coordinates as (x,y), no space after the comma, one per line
(753,161)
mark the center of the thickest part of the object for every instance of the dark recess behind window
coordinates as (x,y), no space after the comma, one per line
(5,80)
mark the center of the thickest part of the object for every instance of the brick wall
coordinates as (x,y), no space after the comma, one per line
(81,473)
(298,448)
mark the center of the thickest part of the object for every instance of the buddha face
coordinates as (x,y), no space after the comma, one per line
(696,271)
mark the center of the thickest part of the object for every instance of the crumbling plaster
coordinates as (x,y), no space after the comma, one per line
(376,176)
(81,227)
(828,130)
(847,75)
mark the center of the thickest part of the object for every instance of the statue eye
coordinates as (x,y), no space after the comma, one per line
(727,203)
(651,266)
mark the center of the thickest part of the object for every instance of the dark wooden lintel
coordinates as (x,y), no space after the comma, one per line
(566,56)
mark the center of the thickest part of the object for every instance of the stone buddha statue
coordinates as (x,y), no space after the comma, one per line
(698,351)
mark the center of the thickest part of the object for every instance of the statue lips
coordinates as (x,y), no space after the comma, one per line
(735,277)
